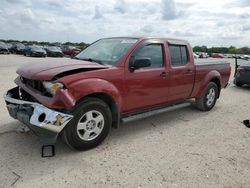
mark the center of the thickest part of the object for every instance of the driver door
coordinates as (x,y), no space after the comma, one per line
(146,87)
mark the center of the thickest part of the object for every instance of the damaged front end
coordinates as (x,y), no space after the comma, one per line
(45,122)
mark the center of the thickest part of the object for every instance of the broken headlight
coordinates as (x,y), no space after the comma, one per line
(52,87)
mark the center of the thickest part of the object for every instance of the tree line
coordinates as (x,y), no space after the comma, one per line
(81,45)
(222,50)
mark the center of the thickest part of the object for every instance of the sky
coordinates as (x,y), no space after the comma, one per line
(210,23)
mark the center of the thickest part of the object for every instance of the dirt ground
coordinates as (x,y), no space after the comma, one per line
(182,148)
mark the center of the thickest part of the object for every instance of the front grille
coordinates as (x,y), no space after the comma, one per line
(3,50)
(35,84)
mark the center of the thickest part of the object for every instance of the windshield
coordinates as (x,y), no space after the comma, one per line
(54,48)
(36,48)
(2,44)
(107,51)
(21,46)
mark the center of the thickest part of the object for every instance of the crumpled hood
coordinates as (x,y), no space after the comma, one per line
(53,67)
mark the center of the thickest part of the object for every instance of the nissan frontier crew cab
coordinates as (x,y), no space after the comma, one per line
(111,80)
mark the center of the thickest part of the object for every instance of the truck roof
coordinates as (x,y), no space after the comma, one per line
(170,40)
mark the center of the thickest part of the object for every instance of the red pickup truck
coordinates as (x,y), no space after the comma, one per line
(111,80)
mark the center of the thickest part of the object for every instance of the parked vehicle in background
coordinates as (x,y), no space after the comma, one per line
(35,51)
(71,51)
(17,48)
(242,75)
(202,54)
(215,55)
(109,82)
(196,56)
(246,57)
(239,56)
(9,45)
(53,51)
(228,55)
(3,48)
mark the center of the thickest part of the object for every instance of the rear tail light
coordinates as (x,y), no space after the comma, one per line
(239,70)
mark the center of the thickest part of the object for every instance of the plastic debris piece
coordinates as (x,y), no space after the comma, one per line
(48,151)
(246,123)
(22,129)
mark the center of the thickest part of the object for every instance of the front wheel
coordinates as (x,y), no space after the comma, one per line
(90,125)
(209,98)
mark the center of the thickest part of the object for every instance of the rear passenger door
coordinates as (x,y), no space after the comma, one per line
(182,72)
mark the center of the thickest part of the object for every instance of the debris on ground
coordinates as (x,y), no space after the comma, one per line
(246,122)
(17,178)
(22,129)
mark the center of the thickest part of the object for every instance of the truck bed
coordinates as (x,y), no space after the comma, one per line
(210,61)
(204,67)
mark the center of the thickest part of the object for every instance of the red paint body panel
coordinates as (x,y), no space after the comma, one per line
(50,68)
(108,81)
(182,78)
(62,100)
(131,90)
(208,72)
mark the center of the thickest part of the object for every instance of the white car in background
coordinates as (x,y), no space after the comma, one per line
(247,57)
(202,54)
(195,55)
(229,55)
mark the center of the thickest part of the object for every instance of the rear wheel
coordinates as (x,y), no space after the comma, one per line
(238,84)
(209,98)
(90,125)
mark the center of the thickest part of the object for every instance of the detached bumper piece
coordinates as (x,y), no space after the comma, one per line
(45,122)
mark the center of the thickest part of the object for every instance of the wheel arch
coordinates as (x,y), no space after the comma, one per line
(216,80)
(110,102)
(97,88)
(213,76)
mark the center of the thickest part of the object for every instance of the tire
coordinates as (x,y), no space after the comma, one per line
(209,98)
(238,84)
(90,125)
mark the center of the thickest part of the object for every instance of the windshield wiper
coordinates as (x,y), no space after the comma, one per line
(90,59)
(94,60)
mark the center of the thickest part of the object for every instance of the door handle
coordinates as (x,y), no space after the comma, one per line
(163,74)
(189,71)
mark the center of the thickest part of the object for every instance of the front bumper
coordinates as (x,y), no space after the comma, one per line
(4,51)
(54,54)
(45,122)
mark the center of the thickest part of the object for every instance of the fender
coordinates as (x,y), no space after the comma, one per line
(82,88)
(204,82)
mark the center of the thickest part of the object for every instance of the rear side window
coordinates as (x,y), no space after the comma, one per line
(178,54)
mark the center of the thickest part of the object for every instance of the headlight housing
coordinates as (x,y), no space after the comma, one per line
(52,87)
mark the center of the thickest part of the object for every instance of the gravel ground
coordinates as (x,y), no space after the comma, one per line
(183,148)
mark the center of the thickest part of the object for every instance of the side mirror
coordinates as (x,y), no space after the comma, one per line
(140,63)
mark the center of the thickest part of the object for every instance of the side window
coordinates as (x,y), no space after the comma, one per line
(179,56)
(153,52)
(175,54)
